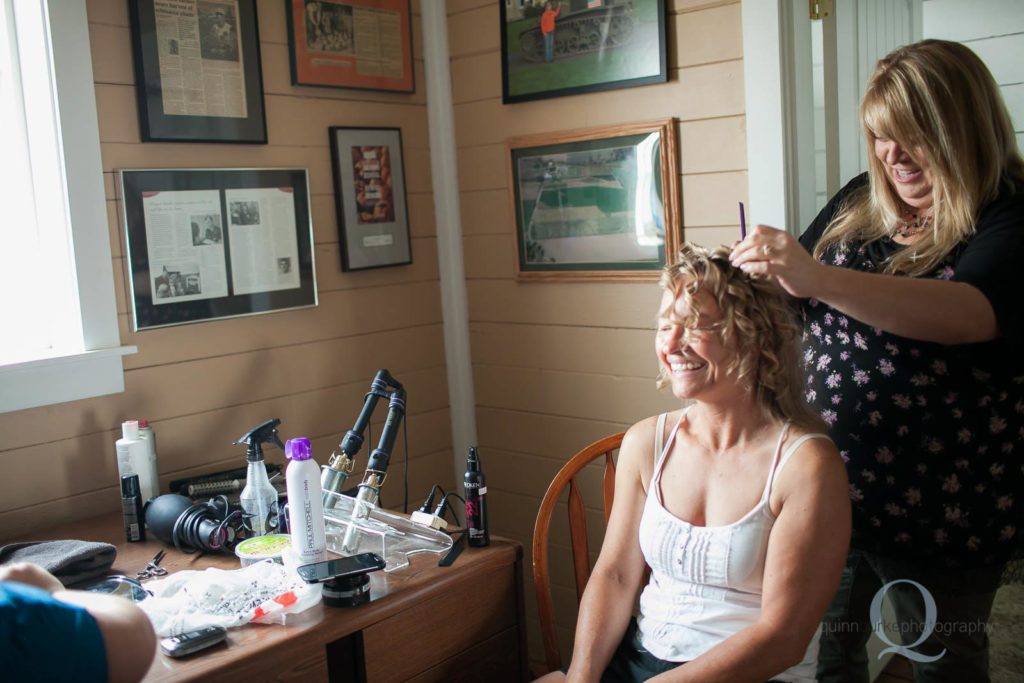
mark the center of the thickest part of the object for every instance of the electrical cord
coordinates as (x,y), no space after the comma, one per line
(442,507)
(455,516)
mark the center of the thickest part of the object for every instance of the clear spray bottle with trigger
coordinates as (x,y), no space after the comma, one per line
(259,497)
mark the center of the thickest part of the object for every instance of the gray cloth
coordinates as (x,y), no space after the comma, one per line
(70,561)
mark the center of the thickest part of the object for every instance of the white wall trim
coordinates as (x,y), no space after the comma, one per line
(763,91)
(68,378)
(83,167)
(444,170)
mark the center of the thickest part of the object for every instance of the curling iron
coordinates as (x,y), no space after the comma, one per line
(376,468)
(339,466)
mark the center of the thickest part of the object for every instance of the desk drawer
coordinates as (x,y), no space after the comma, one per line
(424,636)
(495,660)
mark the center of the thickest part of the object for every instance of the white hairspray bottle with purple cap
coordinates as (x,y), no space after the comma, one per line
(305,502)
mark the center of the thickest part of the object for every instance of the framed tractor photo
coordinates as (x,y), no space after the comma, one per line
(551,48)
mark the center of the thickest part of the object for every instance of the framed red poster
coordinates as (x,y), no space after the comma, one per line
(361,44)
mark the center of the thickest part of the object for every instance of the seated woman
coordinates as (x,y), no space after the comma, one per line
(736,503)
(48,633)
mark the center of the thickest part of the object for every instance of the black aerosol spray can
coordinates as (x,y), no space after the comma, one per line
(476,501)
(131,508)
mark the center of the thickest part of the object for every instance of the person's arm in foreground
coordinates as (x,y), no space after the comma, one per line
(806,554)
(611,592)
(926,309)
(127,632)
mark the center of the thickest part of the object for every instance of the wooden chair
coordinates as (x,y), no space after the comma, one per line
(577,530)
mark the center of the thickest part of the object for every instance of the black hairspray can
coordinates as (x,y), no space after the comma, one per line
(476,501)
(131,508)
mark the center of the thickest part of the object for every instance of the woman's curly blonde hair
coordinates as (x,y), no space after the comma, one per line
(758,323)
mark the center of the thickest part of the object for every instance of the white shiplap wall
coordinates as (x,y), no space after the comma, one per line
(994,29)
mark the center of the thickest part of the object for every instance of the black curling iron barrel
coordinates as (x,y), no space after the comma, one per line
(376,468)
(342,460)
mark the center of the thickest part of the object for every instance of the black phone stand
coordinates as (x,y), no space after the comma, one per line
(347,591)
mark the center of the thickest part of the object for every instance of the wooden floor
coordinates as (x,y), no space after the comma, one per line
(898,671)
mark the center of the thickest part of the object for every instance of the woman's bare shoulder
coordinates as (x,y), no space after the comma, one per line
(816,459)
(637,452)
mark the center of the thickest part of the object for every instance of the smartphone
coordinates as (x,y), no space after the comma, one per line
(363,563)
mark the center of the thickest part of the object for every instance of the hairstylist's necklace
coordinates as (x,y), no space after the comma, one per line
(912,224)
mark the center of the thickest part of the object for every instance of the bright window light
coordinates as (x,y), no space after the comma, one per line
(38,288)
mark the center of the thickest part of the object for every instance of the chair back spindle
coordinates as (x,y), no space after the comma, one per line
(566,478)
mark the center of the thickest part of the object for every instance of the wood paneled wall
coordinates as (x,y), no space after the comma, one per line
(558,365)
(203,385)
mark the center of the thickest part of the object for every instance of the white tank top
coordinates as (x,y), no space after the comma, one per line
(705,581)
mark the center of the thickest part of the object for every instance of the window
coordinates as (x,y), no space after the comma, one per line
(56,289)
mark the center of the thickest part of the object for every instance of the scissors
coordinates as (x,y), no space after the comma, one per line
(153,568)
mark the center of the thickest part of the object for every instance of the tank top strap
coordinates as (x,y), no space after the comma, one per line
(790,450)
(661,449)
(783,433)
(658,431)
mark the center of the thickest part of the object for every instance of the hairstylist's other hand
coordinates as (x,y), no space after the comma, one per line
(31,574)
(769,252)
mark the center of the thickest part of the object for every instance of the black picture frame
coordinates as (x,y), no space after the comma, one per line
(373,223)
(584,60)
(222,240)
(224,33)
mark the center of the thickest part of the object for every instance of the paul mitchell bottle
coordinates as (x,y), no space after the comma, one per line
(305,502)
(476,501)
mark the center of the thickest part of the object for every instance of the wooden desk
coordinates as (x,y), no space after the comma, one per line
(423,623)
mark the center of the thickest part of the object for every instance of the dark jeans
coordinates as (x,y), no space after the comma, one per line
(941,620)
(633,664)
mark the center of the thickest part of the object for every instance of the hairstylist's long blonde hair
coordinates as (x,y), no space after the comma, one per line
(758,324)
(940,103)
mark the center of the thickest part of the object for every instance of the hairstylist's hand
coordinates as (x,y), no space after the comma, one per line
(769,252)
(32,574)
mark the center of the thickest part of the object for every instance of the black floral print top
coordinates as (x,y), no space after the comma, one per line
(932,435)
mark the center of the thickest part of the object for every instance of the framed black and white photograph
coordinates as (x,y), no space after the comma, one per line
(324,38)
(369,191)
(566,47)
(217,243)
(596,204)
(197,71)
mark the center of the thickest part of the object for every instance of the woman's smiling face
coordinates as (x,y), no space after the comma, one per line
(910,175)
(690,352)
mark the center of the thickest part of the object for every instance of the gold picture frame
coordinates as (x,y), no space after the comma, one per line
(596,204)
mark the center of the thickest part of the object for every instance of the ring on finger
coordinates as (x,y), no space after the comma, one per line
(766,250)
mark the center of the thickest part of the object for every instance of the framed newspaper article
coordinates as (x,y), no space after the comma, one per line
(197,71)
(369,194)
(361,44)
(217,243)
